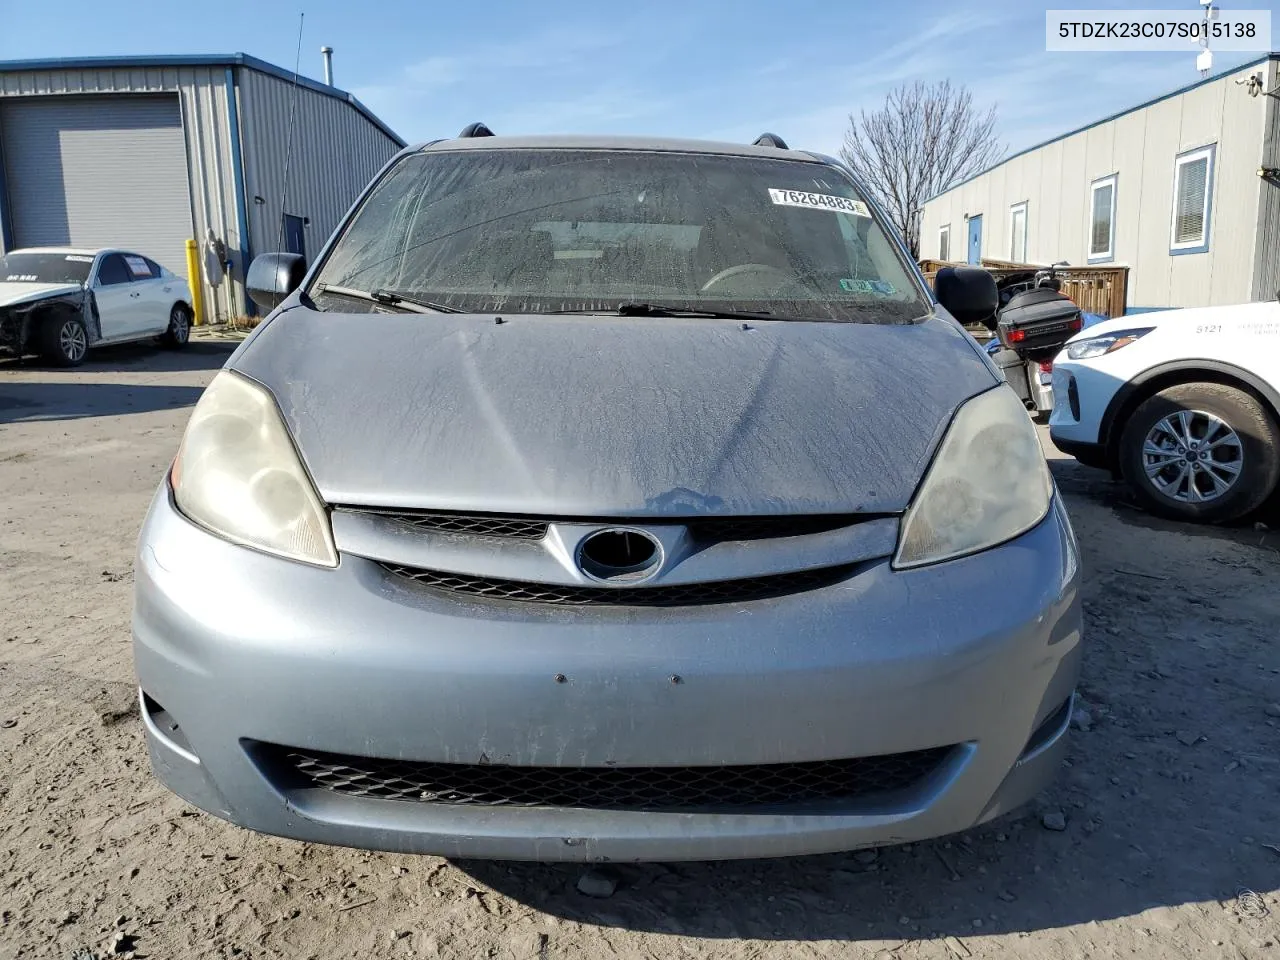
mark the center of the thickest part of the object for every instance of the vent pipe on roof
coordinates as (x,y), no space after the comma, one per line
(327,53)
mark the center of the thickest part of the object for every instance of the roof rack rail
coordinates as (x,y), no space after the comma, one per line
(476,129)
(770,140)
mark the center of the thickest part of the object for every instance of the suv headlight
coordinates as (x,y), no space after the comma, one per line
(988,483)
(1105,343)
(238,475)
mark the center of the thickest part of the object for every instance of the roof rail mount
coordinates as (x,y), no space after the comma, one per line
(476,129)
(771,140)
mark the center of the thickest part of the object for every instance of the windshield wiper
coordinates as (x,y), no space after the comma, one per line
(644,309)
(407,300)
(391,298)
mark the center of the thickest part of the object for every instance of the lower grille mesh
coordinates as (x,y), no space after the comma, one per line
(705,789)
(682,594)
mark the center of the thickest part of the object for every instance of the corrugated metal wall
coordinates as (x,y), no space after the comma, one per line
(337,150)
(1266,274)
(210,147)
(206,129)
(1140,147)
(28,83)
(335,153)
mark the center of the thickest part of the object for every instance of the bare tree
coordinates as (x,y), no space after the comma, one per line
(926,138)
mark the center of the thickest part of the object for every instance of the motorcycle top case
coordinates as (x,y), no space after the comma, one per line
(1036,323)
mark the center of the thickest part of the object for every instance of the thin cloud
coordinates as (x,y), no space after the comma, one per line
(520,78)
(434,73)
(611,73)
(598,111)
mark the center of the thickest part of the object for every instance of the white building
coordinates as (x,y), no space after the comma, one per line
(1183,190)
(146,152)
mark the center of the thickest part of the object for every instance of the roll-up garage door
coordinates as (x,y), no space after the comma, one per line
(98,171)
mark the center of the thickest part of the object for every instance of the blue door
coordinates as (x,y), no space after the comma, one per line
(295,237)
(975,239)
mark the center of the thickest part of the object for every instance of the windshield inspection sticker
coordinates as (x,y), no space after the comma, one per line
(820,201)
(882,288)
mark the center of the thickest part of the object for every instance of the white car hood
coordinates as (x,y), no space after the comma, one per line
(1163,319)
(17,291)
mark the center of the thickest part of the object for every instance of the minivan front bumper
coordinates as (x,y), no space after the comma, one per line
(243,658)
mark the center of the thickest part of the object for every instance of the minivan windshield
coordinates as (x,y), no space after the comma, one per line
(579,230)
(19,267)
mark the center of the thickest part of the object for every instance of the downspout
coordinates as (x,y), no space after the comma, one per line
(237,168)
(1265,282)
(7,241)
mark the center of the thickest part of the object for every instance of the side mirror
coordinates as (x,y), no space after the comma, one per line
(273,276)
(968,293)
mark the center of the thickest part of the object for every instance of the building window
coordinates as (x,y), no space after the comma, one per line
(944,242)
(1018,232)
(1102,220)
(1192,201)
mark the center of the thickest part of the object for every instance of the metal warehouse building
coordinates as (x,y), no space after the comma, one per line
(1183,190)
(146,152)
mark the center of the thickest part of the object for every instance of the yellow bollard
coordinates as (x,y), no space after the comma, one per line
(193,281)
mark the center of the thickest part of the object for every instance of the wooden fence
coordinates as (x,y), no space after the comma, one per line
(1101,290)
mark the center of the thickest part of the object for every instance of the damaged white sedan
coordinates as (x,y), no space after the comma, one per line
(58,302)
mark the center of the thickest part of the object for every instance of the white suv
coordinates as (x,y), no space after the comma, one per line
(1184,404)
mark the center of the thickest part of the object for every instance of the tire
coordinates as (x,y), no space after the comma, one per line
(1231,479)
(179,332)
(64,341)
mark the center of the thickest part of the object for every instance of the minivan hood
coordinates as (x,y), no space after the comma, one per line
(589,416)
(14,292)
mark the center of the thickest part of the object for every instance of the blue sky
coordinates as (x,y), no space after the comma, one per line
(722,69)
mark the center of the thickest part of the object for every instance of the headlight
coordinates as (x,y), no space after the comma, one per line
(1107,343)
(238,475)
(988,483)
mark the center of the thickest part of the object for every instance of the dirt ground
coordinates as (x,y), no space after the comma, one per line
(1171,846)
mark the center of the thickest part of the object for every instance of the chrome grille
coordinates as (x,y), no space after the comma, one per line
(673,595)
(716,529)
(703,789)
(703,529)
(478,525)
